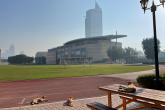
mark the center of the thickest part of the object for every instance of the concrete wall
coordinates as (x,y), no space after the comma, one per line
(51,57)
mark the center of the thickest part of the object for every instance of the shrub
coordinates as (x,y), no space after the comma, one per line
(163,79)
(148,81)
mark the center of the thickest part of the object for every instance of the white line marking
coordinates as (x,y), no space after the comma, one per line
(22,101)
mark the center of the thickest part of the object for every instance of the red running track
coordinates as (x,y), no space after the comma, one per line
(20,93)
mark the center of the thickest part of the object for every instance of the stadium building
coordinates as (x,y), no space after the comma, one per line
(83,51)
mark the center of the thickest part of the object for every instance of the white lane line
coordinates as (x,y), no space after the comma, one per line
(22,101)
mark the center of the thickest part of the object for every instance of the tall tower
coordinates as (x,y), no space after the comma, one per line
(11,51)
(0,54)
(93,22)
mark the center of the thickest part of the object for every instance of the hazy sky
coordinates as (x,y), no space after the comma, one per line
(38,25)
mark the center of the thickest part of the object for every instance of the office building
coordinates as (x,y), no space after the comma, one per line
(93,22)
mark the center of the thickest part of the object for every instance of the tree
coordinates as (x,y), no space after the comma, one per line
(40,60)
(130,55)
(148,47)
(20,59)
(115,53)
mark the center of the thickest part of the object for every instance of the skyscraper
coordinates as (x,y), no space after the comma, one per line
(93,22)
(0,55)
(11,51)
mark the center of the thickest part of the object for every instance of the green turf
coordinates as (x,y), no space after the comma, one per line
(27,72)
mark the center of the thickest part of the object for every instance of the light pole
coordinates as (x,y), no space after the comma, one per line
(153,8)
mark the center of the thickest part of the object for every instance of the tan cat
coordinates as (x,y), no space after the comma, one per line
(69,102)
(38,100)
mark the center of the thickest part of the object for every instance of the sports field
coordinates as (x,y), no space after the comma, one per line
(28,72)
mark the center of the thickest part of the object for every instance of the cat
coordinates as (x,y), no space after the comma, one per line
(69,102)
(38,100)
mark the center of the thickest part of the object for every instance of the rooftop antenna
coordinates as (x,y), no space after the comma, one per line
(96,5)
(116,36)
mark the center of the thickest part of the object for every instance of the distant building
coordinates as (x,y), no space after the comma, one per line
(11,51)
(8,53)
(51,56)
(0,55)
(2,60)
(93,22)
(162,57)
(84,50)
(40,57)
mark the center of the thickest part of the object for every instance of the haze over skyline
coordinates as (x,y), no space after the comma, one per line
(38,25)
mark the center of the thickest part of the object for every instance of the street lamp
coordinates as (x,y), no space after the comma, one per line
(153,8)
(144,4)
(162,2)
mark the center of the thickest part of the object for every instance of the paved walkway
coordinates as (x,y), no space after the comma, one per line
(131,76)
(79,104)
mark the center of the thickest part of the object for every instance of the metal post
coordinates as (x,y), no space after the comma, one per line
(153,10)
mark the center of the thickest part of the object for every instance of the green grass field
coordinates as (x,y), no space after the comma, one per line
(27,72)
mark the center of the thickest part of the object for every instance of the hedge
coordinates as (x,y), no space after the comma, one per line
(148,81)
